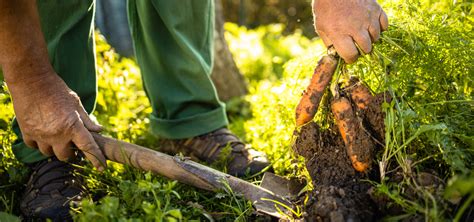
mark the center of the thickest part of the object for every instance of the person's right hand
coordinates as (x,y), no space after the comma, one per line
(52,118)
(349,24)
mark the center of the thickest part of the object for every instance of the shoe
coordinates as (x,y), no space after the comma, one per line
(51,191)
(217,146)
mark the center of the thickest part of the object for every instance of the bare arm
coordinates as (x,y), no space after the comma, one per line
(23,52)
(50,115)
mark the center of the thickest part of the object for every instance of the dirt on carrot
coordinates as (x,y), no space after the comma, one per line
(368,107)
(341,192)
(359,146)
(309,103)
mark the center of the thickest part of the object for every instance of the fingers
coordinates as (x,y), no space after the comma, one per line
(86,143)
(374,31)
(363,40)
(30,143)
(383,21)
(325,38)
(45,149)
(63,152)
(88,123)
(346,48)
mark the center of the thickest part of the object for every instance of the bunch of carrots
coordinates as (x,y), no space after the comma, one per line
(344,106)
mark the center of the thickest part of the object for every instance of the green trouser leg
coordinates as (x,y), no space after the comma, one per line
(173,44)
(174,49)
(67,30)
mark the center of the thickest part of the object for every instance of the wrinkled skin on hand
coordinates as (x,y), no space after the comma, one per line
(50,115)
(342,23)
(52,118)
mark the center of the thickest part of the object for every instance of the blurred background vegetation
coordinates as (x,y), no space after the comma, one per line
(425,61)
(295,14)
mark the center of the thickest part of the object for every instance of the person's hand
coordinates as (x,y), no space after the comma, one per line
(345,23)
(50,115)
(52,118)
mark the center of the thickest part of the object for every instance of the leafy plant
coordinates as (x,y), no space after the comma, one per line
(424,61)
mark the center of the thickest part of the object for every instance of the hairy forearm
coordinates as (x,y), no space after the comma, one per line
(23,51)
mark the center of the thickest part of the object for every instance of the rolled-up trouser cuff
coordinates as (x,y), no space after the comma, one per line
(191,126)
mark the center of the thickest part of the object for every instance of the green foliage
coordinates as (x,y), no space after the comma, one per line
(12,173)
(274,102)
(122,106)
(123,109)
(260,53)
(8,217)
(144,199)
(424,61)
(265,58)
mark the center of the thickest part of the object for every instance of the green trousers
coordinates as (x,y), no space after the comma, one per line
(174,49)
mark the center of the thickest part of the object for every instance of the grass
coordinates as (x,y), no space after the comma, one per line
(424,61)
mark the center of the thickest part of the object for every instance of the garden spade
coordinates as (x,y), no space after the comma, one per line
(272,198)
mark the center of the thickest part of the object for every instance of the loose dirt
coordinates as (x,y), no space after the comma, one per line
(340,192)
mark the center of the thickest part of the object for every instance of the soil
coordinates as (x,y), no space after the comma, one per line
(340,192)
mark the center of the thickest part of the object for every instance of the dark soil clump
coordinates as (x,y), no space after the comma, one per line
(340,192)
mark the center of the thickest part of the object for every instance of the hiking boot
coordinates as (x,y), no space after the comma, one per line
(50,192)
(216,146)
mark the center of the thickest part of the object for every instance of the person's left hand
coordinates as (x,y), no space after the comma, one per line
(345,23)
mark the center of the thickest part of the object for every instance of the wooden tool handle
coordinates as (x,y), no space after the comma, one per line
(148,160)
(189,172)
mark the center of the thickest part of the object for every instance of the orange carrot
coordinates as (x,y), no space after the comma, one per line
(358,145)
(309,103)
(360,94)
(369,108)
